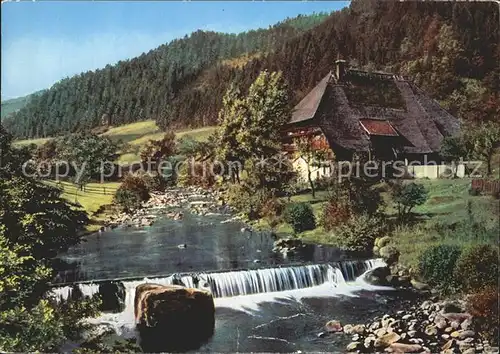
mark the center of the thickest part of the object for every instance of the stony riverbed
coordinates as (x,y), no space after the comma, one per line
(429,327)
(171,204)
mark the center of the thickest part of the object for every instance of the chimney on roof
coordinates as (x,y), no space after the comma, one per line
(340,69)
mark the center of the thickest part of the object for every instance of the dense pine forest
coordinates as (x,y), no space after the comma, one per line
(449,49)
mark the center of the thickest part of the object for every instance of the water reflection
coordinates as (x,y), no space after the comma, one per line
(210,244)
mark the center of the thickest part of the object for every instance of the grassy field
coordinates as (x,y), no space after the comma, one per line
(450,215)
(90,199)
(37,142)
(136,135)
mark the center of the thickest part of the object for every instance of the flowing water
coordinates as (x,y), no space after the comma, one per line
(263,302)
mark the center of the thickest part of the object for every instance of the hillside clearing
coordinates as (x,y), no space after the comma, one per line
(135,136)
(37,142)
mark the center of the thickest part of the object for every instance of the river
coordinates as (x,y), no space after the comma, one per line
(264,303)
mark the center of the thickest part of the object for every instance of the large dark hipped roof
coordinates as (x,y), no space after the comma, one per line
(420,119)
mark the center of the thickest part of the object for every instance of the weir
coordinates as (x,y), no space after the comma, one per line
(239,282)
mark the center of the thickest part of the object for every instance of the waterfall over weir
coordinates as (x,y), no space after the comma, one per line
(243,282)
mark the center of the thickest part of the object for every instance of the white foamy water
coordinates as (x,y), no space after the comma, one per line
(245,290)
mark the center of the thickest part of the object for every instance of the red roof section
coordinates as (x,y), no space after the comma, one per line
(378,127)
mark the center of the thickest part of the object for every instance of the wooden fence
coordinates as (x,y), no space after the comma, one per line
(486,186)
(75,189)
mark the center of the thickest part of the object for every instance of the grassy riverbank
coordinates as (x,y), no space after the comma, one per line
(448,216)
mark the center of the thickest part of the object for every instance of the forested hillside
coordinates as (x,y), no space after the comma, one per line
(15,104)
(450,49)
(144,87)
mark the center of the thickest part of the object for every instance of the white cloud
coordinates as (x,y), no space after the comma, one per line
(31,64)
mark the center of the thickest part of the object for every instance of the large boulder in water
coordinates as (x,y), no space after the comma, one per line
(172,317)
(378,276)
(112,296)
(289,247)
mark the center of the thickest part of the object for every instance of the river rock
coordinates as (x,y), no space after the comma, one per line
(389,254)
(440,322)
(426,305)
(112,296)
(353,346)
(288,246)
(466,334)
(449,344)
(457,317)
(386,322)
(378,276)
(382,241)
(173,318)
(463,346)
(466,324)
(368,342)
(431,330)
(333,326)
(455,324)
(374,326)
(419,285)
(348,329)
(359,329)
(404,348)
(412,334)
(386,340)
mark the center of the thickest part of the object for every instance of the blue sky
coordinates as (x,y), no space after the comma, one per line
(43,42)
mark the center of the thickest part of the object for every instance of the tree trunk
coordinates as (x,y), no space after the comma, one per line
(313,192)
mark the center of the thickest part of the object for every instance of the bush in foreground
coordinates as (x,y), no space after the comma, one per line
(477,267)
(300,217)
(154,183)
(248,201)
(483,306)
(131,193)
(437,265)
(335,212)
(358,233)
(271,211)
(408,196)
